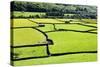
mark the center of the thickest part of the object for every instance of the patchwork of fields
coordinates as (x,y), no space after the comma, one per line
(72,42)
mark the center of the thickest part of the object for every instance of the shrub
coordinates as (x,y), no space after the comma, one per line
(67,21)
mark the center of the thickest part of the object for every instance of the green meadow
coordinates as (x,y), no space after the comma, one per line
(67,38)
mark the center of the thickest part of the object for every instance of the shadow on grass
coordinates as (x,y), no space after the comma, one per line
(55,54)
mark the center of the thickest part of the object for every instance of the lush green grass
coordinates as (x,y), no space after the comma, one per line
(73,27)
(72,42)
(22,23)
(78,38)
(81,21)
(59,59)
(47,20)
(48,27)
(68,19)
(25,36)
(90,20)
(64,41)
(30,52)
(92,24)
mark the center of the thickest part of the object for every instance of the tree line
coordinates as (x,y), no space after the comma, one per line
(53,7)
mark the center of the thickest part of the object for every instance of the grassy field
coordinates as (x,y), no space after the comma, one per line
(22,36)
(72,42)
(90,20)
(47,20)
(64,41)
(59,59)
(22,23)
